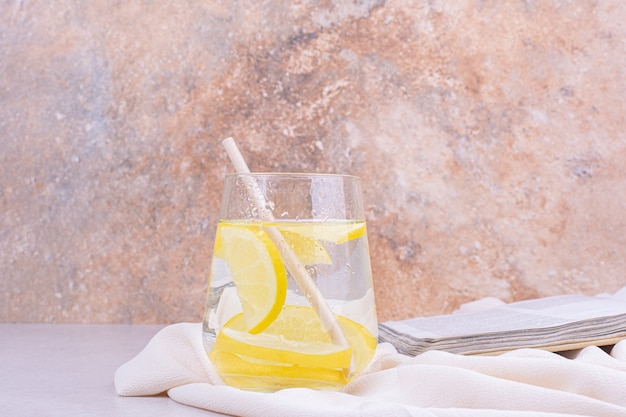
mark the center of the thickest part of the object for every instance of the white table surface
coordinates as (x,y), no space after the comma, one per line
(67,370)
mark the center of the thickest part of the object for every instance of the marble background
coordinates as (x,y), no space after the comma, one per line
(489,136)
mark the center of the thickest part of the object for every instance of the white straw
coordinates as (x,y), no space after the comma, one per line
(293,265)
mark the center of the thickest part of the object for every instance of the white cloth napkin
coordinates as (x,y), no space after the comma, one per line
(525,382)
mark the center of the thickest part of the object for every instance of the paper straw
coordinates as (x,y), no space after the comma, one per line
(290,260)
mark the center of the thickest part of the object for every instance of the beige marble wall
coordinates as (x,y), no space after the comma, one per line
(489,136)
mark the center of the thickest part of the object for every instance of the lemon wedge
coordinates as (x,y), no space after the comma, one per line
(257,271)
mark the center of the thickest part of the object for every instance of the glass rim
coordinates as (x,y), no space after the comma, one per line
(294,175)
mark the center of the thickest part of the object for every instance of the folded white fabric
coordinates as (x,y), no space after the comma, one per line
(526,382)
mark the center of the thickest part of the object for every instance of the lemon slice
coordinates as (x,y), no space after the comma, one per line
(257,270)
(251,375)
(308,251)
(296,337)
(295,350)
(328,231)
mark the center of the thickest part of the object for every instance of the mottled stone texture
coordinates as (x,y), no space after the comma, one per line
(489,136)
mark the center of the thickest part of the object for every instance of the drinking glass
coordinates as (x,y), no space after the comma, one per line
(290,301)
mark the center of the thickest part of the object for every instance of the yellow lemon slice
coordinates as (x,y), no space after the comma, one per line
(328,231)
(257,270)
(295,350)
(294,338)
(250,375)
(308,250)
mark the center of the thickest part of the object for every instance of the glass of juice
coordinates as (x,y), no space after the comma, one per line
(290,301)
